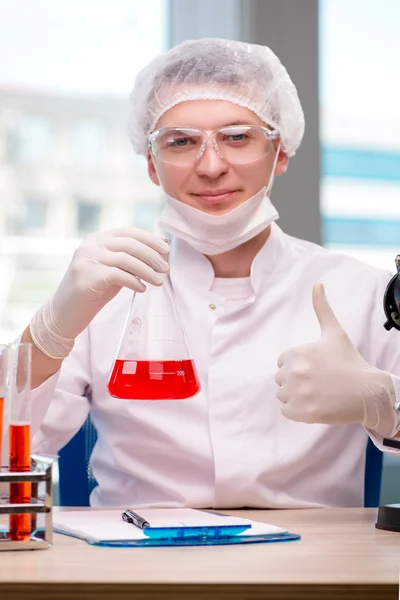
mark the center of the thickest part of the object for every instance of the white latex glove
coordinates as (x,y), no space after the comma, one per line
(330,382)
(100,267)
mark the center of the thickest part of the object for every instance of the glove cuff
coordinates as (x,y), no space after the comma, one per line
(47,336)
(379,403)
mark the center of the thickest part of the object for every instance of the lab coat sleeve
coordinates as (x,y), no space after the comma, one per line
(61,404)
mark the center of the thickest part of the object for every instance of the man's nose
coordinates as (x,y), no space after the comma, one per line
(211,164)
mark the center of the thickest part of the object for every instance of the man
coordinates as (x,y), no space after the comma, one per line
(217,120)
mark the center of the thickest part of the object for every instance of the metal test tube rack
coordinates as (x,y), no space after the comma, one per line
(41,471)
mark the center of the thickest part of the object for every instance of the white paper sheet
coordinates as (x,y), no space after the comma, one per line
(107,525)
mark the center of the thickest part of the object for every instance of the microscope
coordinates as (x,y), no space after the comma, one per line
(391,301)
(389,516)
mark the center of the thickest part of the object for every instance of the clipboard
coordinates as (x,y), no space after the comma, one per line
(172,527)
(208,540)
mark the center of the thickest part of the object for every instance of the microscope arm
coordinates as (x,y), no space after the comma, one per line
(391,304)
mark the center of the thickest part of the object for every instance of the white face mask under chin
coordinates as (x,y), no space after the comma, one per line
(214,234)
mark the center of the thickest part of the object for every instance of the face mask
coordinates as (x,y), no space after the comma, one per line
(214,234)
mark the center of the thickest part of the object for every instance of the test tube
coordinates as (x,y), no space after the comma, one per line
(3,375)
(18,399)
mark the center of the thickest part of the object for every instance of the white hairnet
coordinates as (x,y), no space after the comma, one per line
(249,75)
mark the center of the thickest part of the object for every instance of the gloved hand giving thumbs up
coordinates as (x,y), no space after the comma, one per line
(329,381)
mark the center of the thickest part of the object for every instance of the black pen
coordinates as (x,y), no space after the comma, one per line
(130,517)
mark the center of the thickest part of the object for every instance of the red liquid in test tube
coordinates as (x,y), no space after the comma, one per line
(1,424)
(20,493)
(153,380)
(18,397)
(3,377)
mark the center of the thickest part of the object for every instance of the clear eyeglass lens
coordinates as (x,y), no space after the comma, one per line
(236,144)
(173,141)
(243,144)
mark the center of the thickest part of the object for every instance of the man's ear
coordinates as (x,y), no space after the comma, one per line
(151,170)
(282,163)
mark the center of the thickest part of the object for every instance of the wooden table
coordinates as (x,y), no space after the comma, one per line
(341,555)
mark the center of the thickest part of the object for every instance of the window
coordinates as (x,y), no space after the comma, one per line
(146,215)
(63,98)
(30,139)
(89,143)
(88,217)
(360,129)
(28,217)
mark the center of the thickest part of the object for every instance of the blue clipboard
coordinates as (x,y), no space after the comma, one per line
(208,539)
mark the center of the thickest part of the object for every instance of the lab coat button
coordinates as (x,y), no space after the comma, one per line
(212,307)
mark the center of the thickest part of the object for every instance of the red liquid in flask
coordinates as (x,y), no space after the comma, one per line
(1,424)
(153,380)
(20,493)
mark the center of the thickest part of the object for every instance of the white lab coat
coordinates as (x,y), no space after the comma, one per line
(229,446)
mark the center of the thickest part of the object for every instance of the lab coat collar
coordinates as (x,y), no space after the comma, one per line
(194,266)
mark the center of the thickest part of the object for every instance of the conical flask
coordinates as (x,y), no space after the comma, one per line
(153,360)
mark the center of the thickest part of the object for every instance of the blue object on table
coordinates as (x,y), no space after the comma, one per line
(223,540)
(179,533)
(77,481)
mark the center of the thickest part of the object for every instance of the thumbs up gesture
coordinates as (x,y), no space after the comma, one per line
(329,381)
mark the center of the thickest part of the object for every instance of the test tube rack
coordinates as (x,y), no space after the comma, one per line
(41,472)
